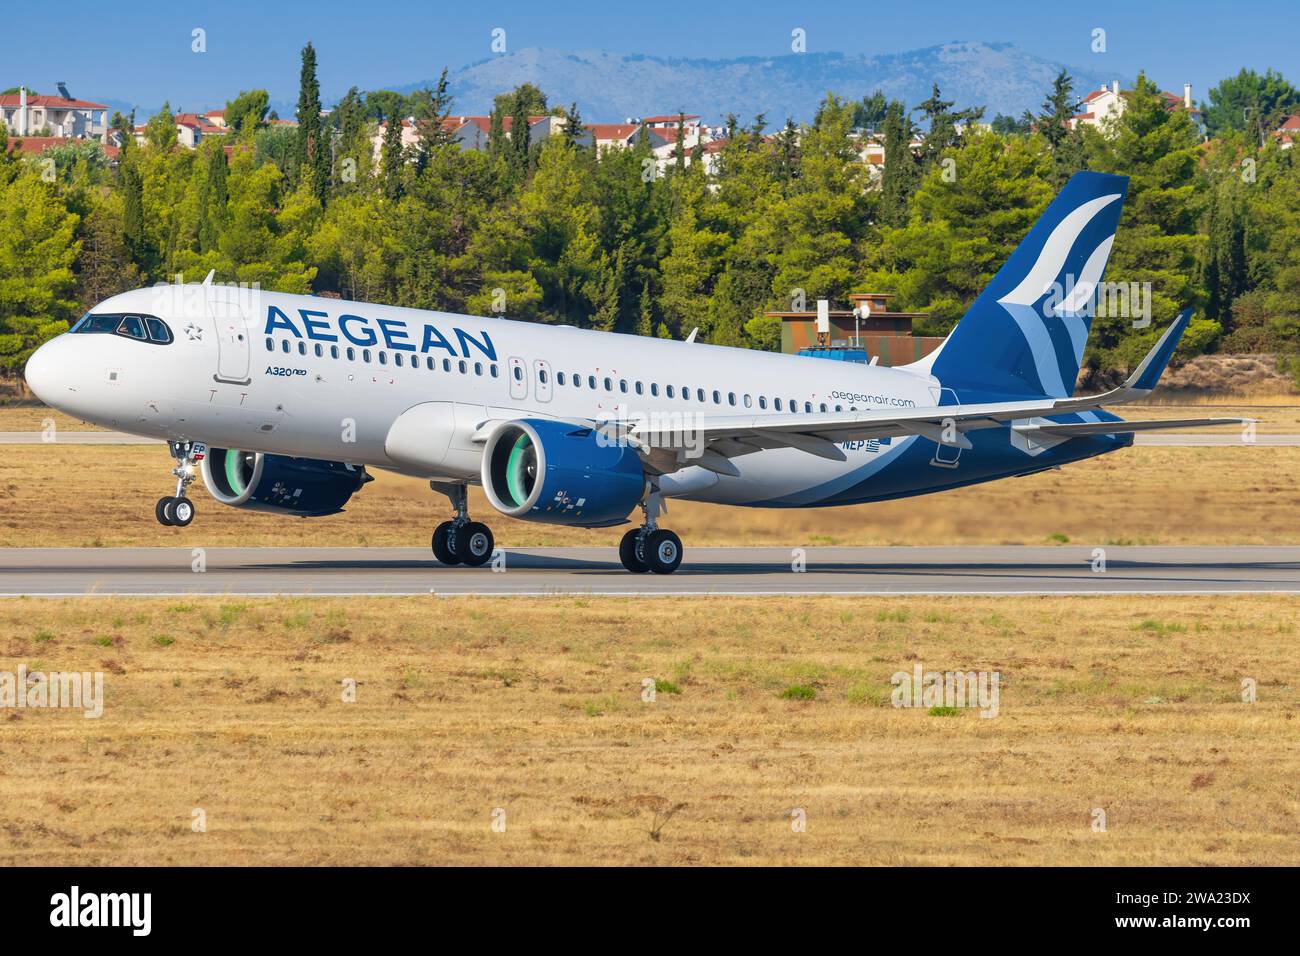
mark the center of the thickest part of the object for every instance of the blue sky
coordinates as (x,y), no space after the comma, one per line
(139,52)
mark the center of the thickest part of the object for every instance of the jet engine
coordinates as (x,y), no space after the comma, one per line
(561,473)
(255,481)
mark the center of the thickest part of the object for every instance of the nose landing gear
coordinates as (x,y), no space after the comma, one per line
(177,511)
(460,540)
(649,547)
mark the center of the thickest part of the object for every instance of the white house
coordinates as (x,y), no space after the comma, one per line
(1109,102)
(25,114)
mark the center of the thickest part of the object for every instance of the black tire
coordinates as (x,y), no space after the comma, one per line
(627,553)
(442,547)
(662,551)
(474,544)
(181,511)
(160,511)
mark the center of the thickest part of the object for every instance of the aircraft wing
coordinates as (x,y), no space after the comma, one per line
(712,440)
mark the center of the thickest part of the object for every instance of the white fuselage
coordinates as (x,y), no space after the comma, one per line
(320,378)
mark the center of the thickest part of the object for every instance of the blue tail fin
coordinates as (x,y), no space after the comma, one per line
(1025,333)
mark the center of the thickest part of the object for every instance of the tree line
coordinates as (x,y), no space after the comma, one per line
(550,232)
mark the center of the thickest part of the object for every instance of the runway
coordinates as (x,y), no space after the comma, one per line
(1167,439)
(706,571)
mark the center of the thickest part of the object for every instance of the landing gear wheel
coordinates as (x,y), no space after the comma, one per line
(180,511)
(662,551)
(627,553)
(160,510)
(442,545)
(472,544)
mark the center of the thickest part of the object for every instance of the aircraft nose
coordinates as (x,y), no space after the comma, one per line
(43,372)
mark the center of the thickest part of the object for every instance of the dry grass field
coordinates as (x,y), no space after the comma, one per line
(103,496)
(464,706)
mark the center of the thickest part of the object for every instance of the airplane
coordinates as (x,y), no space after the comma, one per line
(283,402)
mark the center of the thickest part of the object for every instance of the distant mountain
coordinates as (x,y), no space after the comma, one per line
(613,86)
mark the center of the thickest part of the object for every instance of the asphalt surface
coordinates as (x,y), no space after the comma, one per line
(734,571)
(1167,439)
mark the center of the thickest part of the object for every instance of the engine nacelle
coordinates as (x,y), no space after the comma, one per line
(560,473)
(306,487)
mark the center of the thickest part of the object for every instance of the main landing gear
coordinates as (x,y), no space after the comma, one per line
(177,511)
(461,541)
(649,547)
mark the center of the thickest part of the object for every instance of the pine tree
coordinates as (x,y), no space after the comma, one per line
(212,198)
(901,174)
(314,157)
(391,159)
(1054,125)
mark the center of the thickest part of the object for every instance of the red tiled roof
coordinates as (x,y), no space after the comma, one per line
(669,119)
(52,102)
(611,131)
(1290,123)
(36,145)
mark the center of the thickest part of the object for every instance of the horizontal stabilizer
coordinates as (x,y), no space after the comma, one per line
(1082,429)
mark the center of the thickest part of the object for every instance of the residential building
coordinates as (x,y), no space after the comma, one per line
(28,114)
(1109,102)
(1287,134)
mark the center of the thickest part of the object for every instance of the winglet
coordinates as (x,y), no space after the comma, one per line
(1147,375)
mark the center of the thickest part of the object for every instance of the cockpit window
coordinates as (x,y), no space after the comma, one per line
(132,327)
(142,328)
(158,331)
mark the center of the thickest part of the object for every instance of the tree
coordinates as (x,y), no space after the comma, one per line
(38,248)
(160,131)
(1250,103)
(870,113)
(1054,125)
(431,119)
(1157,245)
(392,159)
(247,111)
(901,172)
(104,267)
(314,159)
(960,231)
(213,196)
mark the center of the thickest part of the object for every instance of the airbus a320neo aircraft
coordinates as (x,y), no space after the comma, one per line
(283,401)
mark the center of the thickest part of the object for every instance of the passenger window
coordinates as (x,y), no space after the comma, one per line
(463,366)
(823,406)
(284,346)
(717,397)
(519,373)
(383,357)
(776,403)
(428,363)
(270,345)
(320,350)
(609,384)
(352,354)
(493,369)
(478,368)
(639,389)
(668,390)
(365,355)
(446,365)
(807,407)
(158,331)
(541,375)
(334,351)
(654,389)
(397,358)
(699,394)
(591,382)
(302,348)
(731,398)
(577,381)
(622,385)
(559,378)
(762,401)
